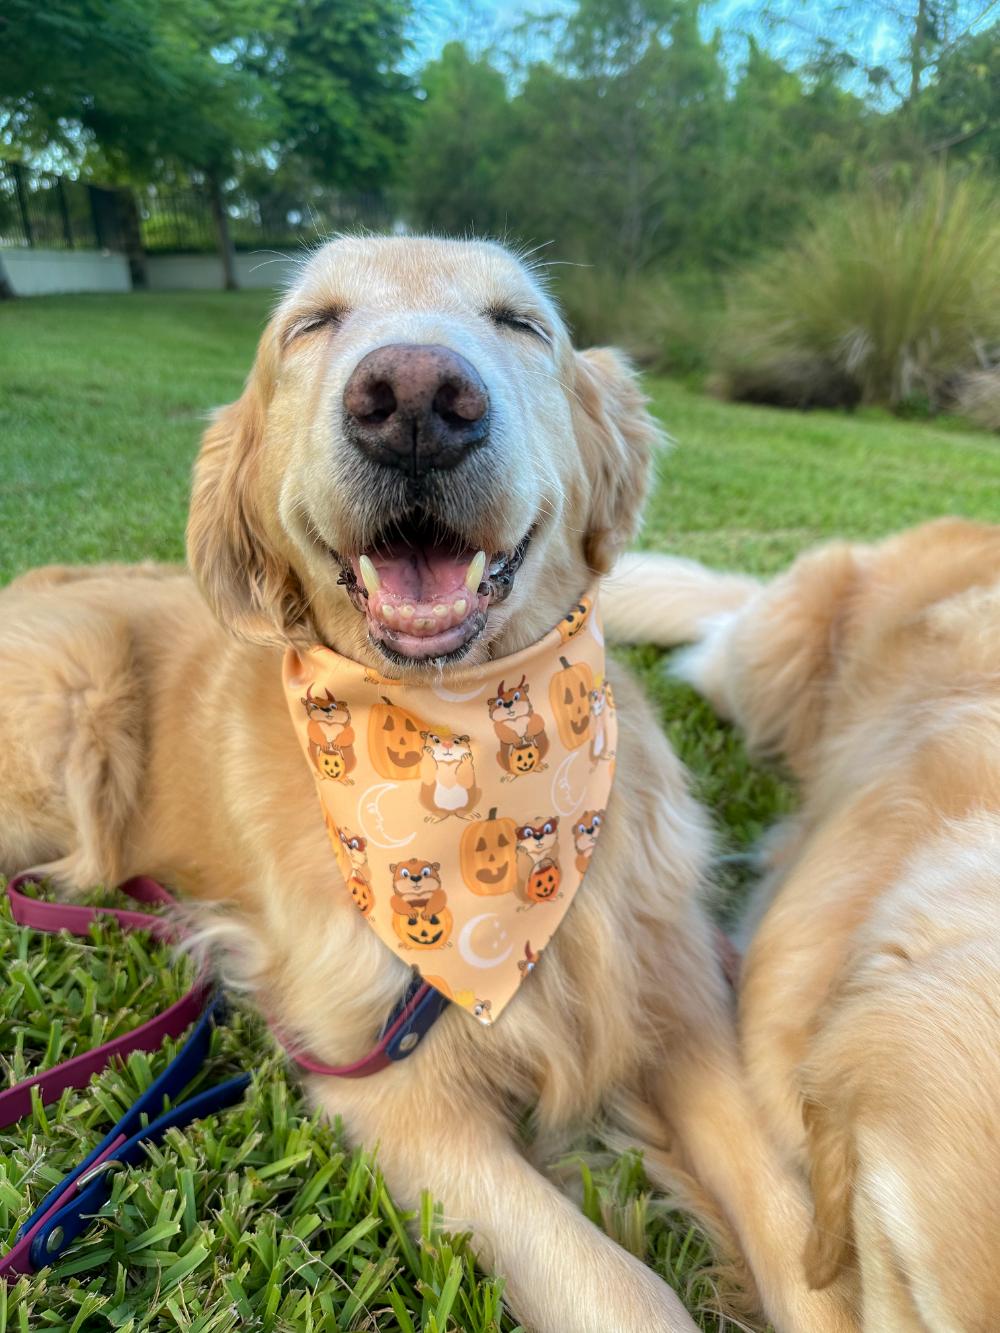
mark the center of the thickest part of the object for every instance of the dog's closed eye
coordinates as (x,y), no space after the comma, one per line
(331,316)
(506,317)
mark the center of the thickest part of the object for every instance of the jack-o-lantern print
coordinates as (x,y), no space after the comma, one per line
(524,758)
(543,882)
(361,892)
(575,619)
(423,930)
(332,765)
(569,696)
(488,855)
(394,741)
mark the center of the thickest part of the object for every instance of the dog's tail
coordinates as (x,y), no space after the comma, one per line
(665,600)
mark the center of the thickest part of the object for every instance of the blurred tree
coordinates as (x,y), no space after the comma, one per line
(334,66)
(145,85)
(619,135)
(959,111)
(199,88)
(459,150)
(788,141)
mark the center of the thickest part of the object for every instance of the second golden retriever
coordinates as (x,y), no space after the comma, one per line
(870,1004)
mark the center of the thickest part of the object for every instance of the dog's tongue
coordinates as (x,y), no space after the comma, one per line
(421,598)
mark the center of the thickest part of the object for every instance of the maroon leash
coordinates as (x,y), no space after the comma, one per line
(66,1211)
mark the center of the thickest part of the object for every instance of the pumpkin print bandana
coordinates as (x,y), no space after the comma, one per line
(464,819)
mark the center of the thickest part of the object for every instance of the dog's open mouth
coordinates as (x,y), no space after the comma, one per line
(426,593)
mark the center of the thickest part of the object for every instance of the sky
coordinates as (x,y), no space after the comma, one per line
(878,26)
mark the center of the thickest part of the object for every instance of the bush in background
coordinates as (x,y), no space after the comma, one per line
(978,398)
(887,298)
(664,324)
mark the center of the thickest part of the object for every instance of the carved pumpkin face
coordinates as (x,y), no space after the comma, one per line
(489,855)
(394,741)
(574,622)
(543,882)
(331,764)
(524,758)
(569,695)
(361,892)
(423,932)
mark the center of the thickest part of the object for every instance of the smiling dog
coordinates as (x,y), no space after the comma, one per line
(421,474)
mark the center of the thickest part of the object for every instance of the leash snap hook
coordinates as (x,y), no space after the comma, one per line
(109,1164)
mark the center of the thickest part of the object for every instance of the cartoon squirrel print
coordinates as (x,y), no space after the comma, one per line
(537,844)
(447,777)
(481,1009)
(330,736)
(421,918)
(600,741)
(586,831)
(520,731)
(359,880)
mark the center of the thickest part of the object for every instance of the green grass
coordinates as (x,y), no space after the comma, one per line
(261,1217)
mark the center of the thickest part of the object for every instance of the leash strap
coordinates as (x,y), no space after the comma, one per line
(66,1210)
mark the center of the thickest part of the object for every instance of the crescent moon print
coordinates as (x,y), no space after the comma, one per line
(570,783)
(370,816)
(595,629)
(478,932)
(451,697)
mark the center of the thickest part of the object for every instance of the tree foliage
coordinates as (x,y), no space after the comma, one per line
(207,85)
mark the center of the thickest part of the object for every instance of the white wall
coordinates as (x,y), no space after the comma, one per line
(42,272)
(204,272)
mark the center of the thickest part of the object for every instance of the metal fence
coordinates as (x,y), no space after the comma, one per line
(182,220)
(45,210)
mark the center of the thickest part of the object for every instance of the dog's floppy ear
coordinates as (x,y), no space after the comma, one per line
(246,580)
(616,435)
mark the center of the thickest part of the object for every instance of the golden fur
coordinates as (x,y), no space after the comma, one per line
(870,1004)
(140,732)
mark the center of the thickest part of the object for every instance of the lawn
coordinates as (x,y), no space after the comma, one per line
(261,1216)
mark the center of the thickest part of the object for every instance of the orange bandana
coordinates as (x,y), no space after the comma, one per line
(464,820)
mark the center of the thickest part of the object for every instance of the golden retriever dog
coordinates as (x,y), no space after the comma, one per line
(870,1001)
(421,398)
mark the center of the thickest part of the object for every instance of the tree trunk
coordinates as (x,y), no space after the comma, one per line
(918,52)
(128,233)
(221,218)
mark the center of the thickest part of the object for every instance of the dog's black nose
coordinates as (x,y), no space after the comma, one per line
(416,407)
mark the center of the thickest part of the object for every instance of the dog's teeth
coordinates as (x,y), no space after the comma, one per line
(459,607)
(388,613)
(474,576)
(369,575)
(406,610)
(440,609)
(423,622)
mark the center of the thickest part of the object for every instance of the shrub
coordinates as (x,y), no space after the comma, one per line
(978,397)
(662,325)
(886,298)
